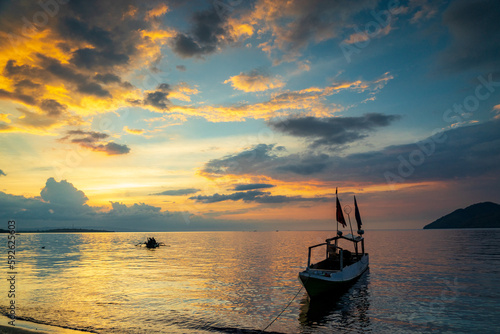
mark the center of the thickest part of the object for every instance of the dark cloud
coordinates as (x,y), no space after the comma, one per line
(164,87)
(135,102)
(62,193)
(208,32)
(475,28)
(95,141)
(73,28)
(246,162)
(112,34)
(29,88)
(112,148)
(26,84)
(247,196)
(92,88)
(67,73)
(186,46)
(52,107)
(61,71)
(268,160)
(87,136)
(253,186)
(107,78)
(99,36)
(16,97)
(178,192)
(21,208)
(61,205)
(91,58)
(256,197)
(2,173)
(306,164)
(277,199)
(460,153)
(295,24)
(52,69)
(181,68)
(25,71)
(157,99)
(31,119)
(334,130)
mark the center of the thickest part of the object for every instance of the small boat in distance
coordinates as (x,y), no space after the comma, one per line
(151,243)
(340,267)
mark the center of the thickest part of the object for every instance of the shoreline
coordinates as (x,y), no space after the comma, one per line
(28,327)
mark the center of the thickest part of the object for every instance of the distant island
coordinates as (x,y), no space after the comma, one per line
(480,215)
(58,230)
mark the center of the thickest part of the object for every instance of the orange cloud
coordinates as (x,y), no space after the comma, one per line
(496,110)
(310,101)
(133,131)
(254,81)
(239,30)
(5,118)
(157,11)
(182,91)
(62,60)
(360,37)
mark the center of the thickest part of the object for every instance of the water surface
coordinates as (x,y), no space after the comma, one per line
(444,281)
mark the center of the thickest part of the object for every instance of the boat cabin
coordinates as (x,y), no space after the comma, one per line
(336,257)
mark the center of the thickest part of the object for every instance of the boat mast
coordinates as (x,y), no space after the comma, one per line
(337,198)
(348,211)
(359,223)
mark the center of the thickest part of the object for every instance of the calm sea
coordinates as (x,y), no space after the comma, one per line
(443,281)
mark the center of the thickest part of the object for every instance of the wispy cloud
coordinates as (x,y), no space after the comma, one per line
(177,192)
(256,80)
(133,131)
(257,197)
(253,186)
(95,141)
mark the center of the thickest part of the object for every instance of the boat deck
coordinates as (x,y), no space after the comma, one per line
(333,264)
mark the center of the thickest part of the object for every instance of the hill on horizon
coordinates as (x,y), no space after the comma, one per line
(479,215)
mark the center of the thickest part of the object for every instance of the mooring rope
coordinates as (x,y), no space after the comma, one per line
(291,301)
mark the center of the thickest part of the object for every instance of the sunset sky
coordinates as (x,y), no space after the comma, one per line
(242,115)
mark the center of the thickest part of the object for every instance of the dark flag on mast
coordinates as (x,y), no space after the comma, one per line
(356,213)
(340,215)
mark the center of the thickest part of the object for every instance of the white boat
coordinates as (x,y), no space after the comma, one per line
(341,266)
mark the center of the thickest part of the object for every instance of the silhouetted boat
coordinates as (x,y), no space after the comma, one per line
(151,243)
(341,267)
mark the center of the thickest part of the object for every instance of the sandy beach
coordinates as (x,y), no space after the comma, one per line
(13,329)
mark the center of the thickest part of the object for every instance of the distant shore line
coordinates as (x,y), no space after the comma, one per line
(60,230)
(75,230)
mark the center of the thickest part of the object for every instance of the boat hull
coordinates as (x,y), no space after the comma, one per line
(322,283)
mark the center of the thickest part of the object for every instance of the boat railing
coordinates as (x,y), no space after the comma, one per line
(340,249)
(342,257)
(309,255)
